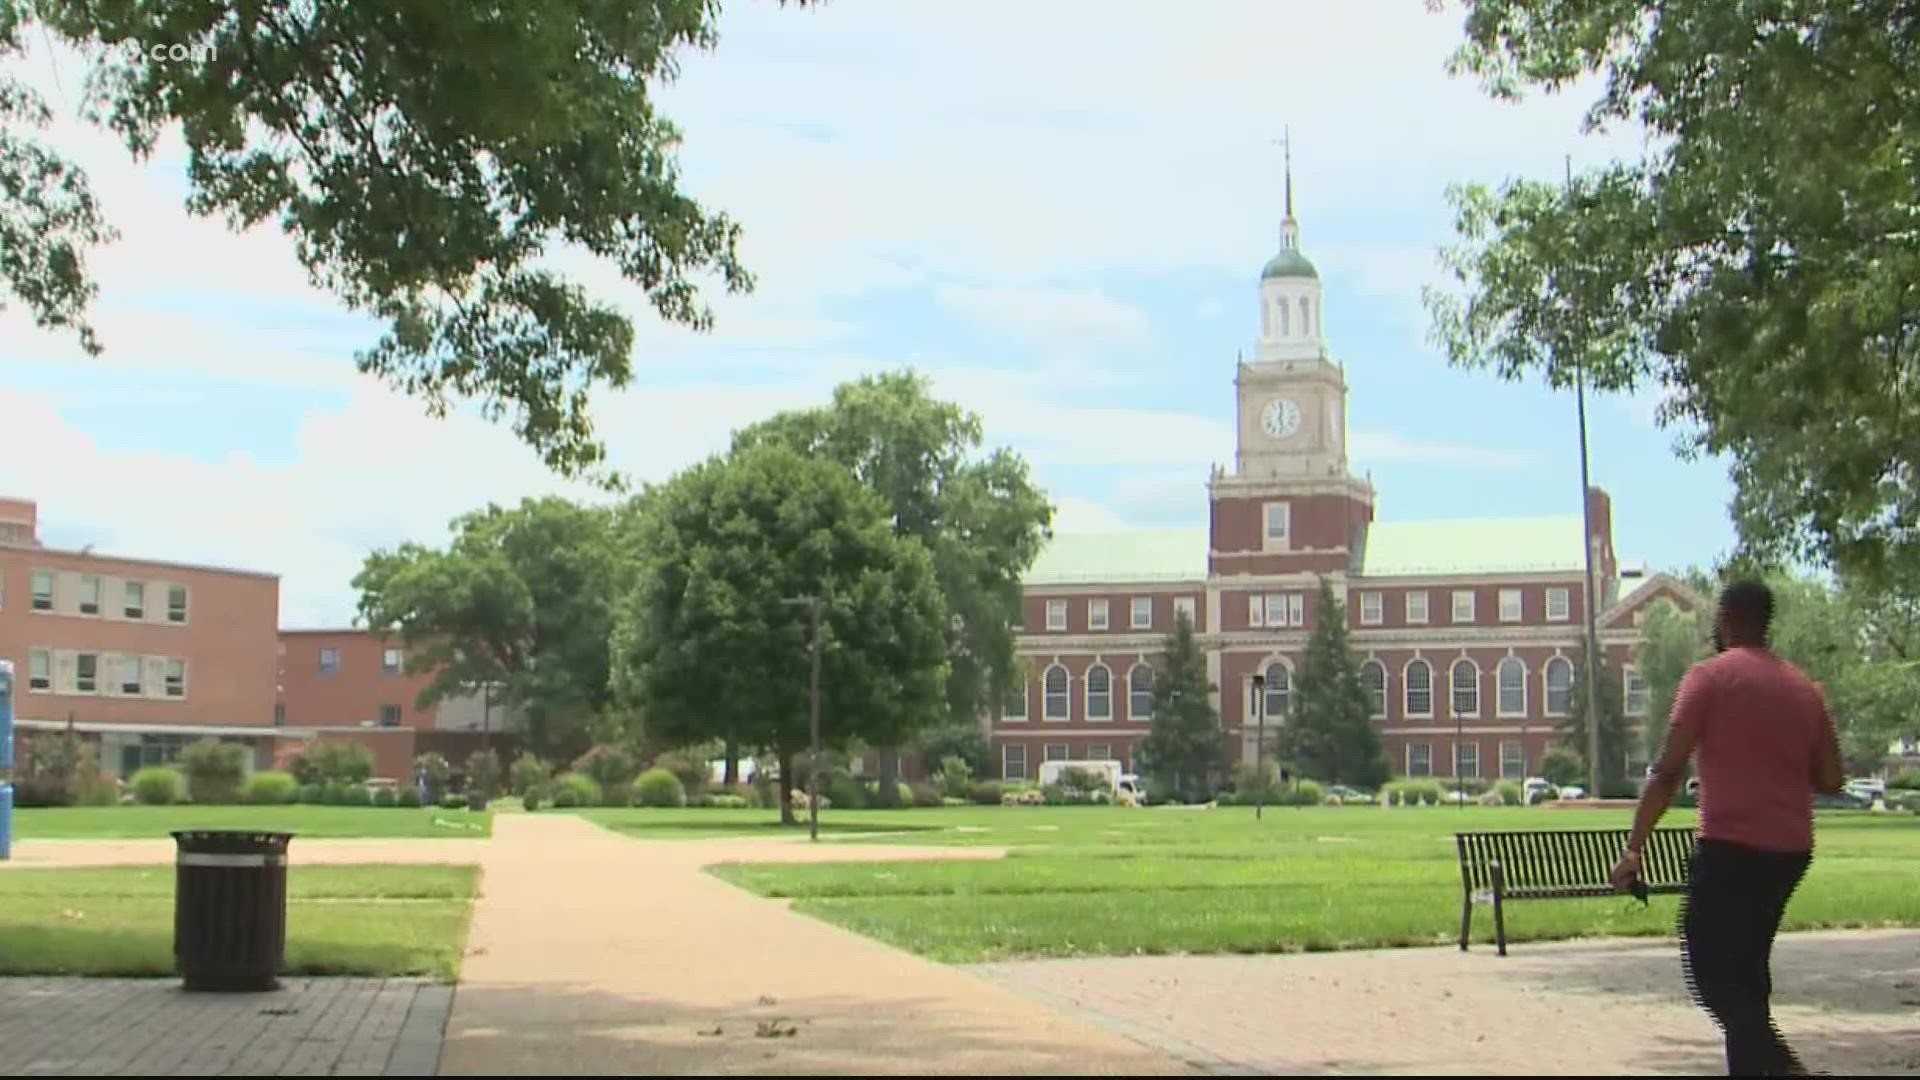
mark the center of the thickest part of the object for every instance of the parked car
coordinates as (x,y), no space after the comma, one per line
(1349,794)
(1868,787)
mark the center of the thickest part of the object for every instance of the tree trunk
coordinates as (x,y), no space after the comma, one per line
(733,760)
(889,777)
(786,788)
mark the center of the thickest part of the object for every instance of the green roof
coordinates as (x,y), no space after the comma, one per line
(1126,555)
(1289,263)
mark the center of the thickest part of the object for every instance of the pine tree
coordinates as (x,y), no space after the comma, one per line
(1186,746)
(1329,733)
(1609,693)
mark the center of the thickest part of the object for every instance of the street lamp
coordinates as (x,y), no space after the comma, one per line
(812,604)
(1459,781)
(1592,588)
(1259,743)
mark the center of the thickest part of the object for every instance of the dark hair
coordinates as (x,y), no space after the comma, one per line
(1748,606)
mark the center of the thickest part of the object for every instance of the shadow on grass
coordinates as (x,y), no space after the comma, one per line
(673,830)
(147,952)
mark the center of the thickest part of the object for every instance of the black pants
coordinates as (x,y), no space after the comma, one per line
(1727,926)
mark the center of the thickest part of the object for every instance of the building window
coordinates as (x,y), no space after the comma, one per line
(390,661)
(86,673)
(1417,607)
(1466,760)
(1463,605)
(1510,605)
(1558,606)
(1056,614)
(176,678)
(176,603)
(1278,610)
(1419,759)
(1636,695)
(279,714)
(1559,686)
(1056,752)
(39,670)
(1373,676)
(329,661)
(1100,752)
(1276,614)
(1279,523)
(134,600)
(1513,761)
(130,675)
(389,716)
(1099,693)
(89,594)
(1464,679)
(1140,692)
(1096,614)
(1373,609)
(1143,612)
(1016,706)
(1013,762)
(1183,608)
(1419,683)
(43,590)
(1511,676)
(1279,690)
(1056,693)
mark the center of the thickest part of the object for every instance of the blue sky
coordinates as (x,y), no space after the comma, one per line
(1058,211)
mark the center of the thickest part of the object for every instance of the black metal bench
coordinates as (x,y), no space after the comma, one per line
(1496,867)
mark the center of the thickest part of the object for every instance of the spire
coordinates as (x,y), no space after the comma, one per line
(1286,151)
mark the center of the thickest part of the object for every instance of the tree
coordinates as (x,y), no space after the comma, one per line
(1858,644)
(959,740)
(1759,262)
(425,159)
(1608,692)
(1186,746)
(979,516)
(521,599)
(1329,733)
(1671,641)
(703,646)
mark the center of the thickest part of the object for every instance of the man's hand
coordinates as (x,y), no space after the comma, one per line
(1626,871)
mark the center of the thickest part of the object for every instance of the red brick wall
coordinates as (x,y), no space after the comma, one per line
(352,695)
(1119,610)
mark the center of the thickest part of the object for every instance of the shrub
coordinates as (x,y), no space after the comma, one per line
(585,791)
(409,797)
(1251,781)
(660,787)
(359,795)
(271,788)
(690,769)
(454,801)
(215,771)
(844,792)
(528,772)
(1300,793)
(386,797)
(483,775)
(726,801)
(955,776)
(334,763)
(925,795)
(1906,781)
(1561,766)
(608,766)
(951,801)
(337,794)
(565,798)
(313,794)
(437,771)
(159,785)
(531,797)
(1510,792)
(964,741)
(750,795)
(985,793)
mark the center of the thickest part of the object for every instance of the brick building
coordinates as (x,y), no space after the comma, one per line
(1468,629)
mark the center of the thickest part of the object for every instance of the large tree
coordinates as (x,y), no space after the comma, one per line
(521,598)
(1329,733)
(1186,746)
(425,159)
(1671,641)
(1609,693)
(978,514)
(1860,645)
(704,646)
(1759,262)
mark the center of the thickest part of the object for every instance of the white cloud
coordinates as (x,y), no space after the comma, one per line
(1073,514)
(1054,317)
(1374,447)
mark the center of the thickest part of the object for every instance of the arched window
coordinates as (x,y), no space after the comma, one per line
(1099,693)
(1373,676)
(1056,694)
(1465,679)
(1512,677)
(1140,692)
(1559,686)
(1279,689)
(1419,684)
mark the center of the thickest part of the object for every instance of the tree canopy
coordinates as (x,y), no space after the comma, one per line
(1760,263)
(425,159)
(1185,747)
(1329,733)
(1609,693)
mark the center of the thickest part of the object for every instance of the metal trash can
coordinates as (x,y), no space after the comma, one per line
(230,909)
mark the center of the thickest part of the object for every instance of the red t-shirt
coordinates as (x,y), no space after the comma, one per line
(1758,724)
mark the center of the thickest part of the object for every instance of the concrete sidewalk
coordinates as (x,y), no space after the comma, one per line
(592,954)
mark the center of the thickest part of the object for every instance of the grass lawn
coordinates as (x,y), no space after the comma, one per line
(1107,882)
(341,920)
(309,822)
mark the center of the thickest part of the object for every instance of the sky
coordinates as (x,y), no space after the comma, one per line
(1058,212)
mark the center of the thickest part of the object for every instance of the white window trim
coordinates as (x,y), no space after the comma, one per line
(1386,687)
(1086,693)
(99,594)
(1061,607)
(1133,613)
(1464,714)
(126,600)
(1269,718)
(1522,747)
(1426,607)
(1006,761)
(1046,716)
(1627,672)
(1566,604)
(53,591)
(48,654)
(1453,607)
(186,605)
(1131,714)
(1546,686)
(165,675)
(1410,773)
(1499,705)
(1375,615)
(1097,614)
(1025,707)
(1268,542)
(97,665)
(1406,687)
(1046,752)
(1458,743)
(1187,605)
(1519,598)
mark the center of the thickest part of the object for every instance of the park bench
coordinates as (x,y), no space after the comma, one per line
(1498,867)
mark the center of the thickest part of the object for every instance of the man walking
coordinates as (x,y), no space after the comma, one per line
(1765,744)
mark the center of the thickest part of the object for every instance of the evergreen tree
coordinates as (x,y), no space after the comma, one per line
(1186,746)
(1329,733)
(1613,721)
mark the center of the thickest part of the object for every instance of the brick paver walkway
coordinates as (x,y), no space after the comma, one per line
(149,1027)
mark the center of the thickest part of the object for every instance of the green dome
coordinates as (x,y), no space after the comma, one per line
(1288,264)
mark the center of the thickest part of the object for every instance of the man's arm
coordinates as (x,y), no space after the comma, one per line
(1829,776)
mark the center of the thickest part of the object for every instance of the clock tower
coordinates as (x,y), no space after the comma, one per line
(1290,503)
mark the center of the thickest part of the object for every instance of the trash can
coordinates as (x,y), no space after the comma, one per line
(230,909)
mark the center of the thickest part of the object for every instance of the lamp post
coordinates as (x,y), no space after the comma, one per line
(1459,781)
(812,604)
(1592,589)
(1259,743)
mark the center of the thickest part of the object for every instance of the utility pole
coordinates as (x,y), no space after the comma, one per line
(1259,742)
(1592,588)
(812,604)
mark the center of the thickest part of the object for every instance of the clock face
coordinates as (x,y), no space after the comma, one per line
(1281,418)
